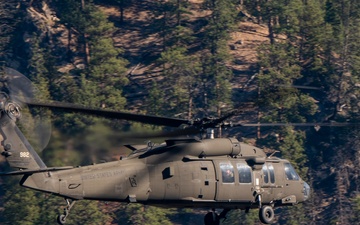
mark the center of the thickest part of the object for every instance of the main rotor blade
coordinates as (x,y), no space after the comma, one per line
(160,134)
(299,87)
(154,120)
(331,124)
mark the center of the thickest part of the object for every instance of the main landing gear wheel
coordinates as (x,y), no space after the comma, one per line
(211,218)
(266,214)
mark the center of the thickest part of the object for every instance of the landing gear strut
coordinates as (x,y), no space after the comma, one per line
(266,212)
(212,218)
(61,219)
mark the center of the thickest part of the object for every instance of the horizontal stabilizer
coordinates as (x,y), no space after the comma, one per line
(135,147)
(40,170)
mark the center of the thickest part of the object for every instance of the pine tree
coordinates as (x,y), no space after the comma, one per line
(215,75)
(136,214)
(239,217)
(155,103)
(180,80)
(50,208)
(21,205)
(9,21)
(172,23)
(180,69)
(279,70)
(344,19)
(356,202)
(100,83)
(88,212)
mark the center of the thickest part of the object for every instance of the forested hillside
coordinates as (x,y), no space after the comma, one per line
(276,61)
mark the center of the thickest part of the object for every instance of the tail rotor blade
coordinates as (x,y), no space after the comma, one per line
(22,90)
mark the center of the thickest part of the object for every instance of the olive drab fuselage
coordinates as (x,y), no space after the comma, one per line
(187,173)
(214,173)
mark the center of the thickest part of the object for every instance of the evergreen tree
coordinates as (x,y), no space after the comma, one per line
(279,70)
(179,67)
(239,217)
(356,202)
(39,121)
(136,214)
(312,31)
(172,23)
(21,205)
(343,16)
(100,84)
(155,103)
(313,42)
(49,208)
(290,20)
(215,75)
(284,63)
(37,68)
(180,80)
(292,148)
(9,21)
(88,212)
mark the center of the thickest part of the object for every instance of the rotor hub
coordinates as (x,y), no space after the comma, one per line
(12,109)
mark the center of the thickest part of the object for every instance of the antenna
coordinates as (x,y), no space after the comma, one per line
(273,153)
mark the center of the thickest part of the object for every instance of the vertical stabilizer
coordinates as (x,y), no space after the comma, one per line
(21,155)
(16,148)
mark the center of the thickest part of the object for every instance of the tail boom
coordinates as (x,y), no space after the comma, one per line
(20,155)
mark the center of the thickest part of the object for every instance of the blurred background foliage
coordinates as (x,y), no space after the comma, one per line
(311,43)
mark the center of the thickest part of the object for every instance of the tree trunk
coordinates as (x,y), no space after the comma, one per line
(121,11)
(190,102)
(87,49)
(68,50)
(84,37)
(271,30)
(178,14)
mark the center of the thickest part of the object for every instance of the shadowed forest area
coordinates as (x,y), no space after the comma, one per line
(276,61)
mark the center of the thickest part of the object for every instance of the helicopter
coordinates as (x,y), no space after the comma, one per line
(213,173)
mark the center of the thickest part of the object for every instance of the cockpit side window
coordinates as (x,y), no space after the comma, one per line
(272,173)
(290,172)
(244,173)
(265,173)
(227,172)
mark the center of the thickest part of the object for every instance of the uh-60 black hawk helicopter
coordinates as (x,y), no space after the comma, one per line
(220,173)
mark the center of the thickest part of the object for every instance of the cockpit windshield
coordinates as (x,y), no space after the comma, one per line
(290,172)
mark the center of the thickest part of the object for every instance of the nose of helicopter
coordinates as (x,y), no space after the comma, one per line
(306,191)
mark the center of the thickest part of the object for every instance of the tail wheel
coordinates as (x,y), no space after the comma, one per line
(266,214)
(61,219)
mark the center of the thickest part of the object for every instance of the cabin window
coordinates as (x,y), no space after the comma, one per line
(265,173)
(290,172)
(227,172)
(244,173)
(272,173)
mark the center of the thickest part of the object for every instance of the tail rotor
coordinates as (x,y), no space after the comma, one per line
(16,91)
